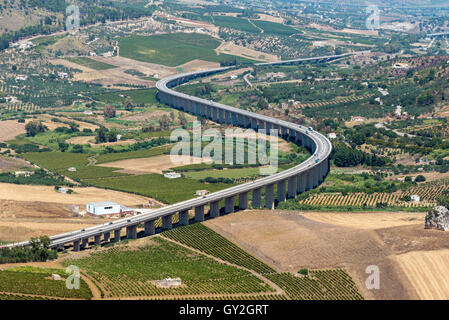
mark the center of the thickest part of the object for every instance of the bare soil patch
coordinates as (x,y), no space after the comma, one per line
(290,242)
(91,140)
(367,220)
(427,271)
(414,238)
(81,196)
(266,17)
(156,164)
(145,116)
(15,230)
(233,49)
(198,65)
(10,129)
(10,164)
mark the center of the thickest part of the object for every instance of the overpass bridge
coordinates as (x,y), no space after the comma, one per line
(290,183)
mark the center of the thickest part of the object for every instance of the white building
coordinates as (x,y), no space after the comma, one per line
(415,198)
(103,208)
(332,135)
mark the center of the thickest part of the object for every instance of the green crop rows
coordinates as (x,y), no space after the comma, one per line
(204,239)
(318,285)
(39,283)
(124,272)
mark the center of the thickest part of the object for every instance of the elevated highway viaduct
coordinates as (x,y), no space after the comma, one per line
(289,183)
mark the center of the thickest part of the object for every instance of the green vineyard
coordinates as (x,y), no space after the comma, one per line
(122,272)
(318,285)
(38,283)
(204,239)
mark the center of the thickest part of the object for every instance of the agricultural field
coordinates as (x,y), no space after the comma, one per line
(228,173)
(38,282)
(125,272)
(157,186)
(173,49)
(90,63)
(319,284)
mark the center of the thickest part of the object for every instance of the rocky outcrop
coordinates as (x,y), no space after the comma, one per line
(437,218)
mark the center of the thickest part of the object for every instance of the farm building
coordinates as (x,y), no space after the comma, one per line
(108,209)
(172,175)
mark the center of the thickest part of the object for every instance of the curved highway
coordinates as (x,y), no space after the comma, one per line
(290,183)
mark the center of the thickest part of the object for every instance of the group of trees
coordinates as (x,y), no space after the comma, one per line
(443,200)
(345,156)
(34,127)
(109,111)
(104,135)
(38,250)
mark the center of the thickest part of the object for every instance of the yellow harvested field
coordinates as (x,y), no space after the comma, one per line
(9,129)
(266,17)
(155,164)
(367,220)
(428,272)
(21,230)
(91,140)
(81,196)
(198,65)
(231,48)
(81,140)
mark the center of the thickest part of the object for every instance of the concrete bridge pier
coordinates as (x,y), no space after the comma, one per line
(284,132)
(184,218)
(199,213)
(300,184)
(246,122)
(253,124)
(234,119)
(299,139)
(84,242)
(243,201)
(229,205)
(228,117)
(257,198)
(215,115)
(196,109)
(149,228)
(282,196)
(106,237)
(76,245)
(167,222)
(315,177)
(292,187)
(97,239)
(309,178)
(214,209)
(209,112)
(268,127)
(117,235)
(221,115)
(131,232)
(269,196)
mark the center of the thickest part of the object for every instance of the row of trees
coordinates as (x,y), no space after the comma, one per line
(39,250)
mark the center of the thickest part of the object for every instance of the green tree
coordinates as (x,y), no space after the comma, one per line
(34,127)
